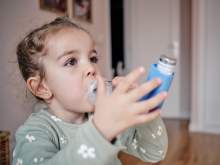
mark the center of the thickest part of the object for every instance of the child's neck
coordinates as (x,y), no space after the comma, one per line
(65,115)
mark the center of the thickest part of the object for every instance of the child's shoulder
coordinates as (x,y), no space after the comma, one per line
(41,122)
(42,117)
(41,129)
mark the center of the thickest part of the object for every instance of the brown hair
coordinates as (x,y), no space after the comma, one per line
(32,47)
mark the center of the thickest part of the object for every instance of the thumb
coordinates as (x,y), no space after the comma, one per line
(100,86)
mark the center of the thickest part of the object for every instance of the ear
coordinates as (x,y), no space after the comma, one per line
(39,88)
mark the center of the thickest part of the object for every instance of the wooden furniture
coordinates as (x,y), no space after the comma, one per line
(4,148)
(131,160)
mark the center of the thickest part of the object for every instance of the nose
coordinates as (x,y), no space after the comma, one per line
(90,71)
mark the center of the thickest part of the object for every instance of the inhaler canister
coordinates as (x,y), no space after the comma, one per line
(164,70)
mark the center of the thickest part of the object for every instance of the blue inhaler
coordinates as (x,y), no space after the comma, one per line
(164,70)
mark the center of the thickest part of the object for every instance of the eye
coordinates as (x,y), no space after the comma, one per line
(94,59)
(71,62)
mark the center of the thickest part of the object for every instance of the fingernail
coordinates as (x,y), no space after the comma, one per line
(164,94)
(159,81)
(142,69)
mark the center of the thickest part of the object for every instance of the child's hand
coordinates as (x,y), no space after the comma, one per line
(119,79)
(121,110)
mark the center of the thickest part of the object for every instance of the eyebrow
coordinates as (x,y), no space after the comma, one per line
(66,53)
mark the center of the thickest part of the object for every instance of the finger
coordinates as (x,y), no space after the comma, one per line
(100,86)
(145,106)
(133,86)
(147,117)
(130,79)
(117,80)
(144,89)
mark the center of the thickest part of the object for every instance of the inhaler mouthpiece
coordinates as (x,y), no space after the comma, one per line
(92,90)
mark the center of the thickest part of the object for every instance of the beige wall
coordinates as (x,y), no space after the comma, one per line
(18,18)
(205,66)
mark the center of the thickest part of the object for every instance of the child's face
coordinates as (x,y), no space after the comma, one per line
(70,65)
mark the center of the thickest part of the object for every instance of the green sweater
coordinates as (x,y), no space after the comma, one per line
(46,139)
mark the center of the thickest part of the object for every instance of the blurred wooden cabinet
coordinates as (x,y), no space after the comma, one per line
(4,148)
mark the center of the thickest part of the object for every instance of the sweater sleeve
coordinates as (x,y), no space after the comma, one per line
(37,146)
(147,142)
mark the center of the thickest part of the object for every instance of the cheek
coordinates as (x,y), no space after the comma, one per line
(75,89)
(66,86)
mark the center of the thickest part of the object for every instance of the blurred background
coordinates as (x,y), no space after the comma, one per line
(131,33)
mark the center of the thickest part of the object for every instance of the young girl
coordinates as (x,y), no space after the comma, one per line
(58,62)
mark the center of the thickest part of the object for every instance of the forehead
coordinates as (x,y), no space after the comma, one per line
(68,39)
